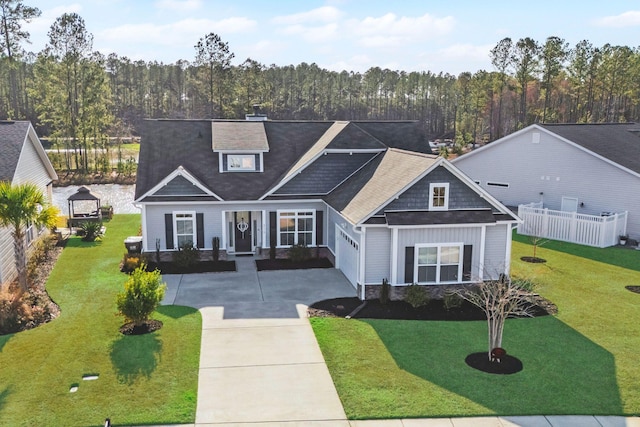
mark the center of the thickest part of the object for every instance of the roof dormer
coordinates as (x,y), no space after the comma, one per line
(240,145)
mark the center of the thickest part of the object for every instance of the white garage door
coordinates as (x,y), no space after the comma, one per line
(347,255)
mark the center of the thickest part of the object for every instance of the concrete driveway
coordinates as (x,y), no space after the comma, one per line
(259,359)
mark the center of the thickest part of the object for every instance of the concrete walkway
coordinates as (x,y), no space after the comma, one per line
(260,364)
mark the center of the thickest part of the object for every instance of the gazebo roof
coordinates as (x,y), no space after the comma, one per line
(83,193)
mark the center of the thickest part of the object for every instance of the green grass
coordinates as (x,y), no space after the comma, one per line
(582,361)
(147,379)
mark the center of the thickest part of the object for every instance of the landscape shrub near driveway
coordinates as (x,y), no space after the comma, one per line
(394,369)
(150,380)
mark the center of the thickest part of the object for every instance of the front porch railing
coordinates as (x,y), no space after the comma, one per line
(591,230)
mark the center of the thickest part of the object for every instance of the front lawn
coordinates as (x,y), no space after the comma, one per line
(582,361)
(145,379)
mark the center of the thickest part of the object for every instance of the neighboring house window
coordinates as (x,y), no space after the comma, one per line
(436,264)
(30,233)
(439,196)
(185,227)
(296,227)
(241,162)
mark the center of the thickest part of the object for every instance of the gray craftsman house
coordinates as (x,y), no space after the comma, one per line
(369,195)
(22,160)
(574,182)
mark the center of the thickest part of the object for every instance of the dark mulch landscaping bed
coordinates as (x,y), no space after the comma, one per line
(507,365)
(287,264)
(145,328)
(632,288)
(401,310)
(533,259)
(199,267)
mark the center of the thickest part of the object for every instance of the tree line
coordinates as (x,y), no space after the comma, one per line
(80,97)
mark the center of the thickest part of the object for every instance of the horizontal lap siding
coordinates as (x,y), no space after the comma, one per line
(31,169)
(495,250)
(378,253)
(7,261)
(212,218)
(411,237)
(571,172)
(335,218)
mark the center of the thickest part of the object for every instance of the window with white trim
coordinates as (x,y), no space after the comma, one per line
(439,196)
(241,162)
(184,225)
(435,264)
(296,228)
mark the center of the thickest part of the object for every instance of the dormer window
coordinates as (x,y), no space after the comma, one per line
(439,196)
(241,162)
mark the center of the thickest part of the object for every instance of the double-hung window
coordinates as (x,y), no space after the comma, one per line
(241,162)
(296,227)
(436,264)
(439,196)
(185,227)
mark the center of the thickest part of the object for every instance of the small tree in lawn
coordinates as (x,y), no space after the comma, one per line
(142,294)
(501,299)
(534,231)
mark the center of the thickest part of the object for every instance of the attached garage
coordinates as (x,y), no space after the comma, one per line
(347,255)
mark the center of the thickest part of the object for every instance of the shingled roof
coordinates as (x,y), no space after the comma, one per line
(169,144)
(12,138)
(618,142)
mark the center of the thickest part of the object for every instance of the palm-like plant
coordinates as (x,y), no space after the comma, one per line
(20,206)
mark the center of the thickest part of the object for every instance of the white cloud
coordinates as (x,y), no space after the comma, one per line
(466,51)
(626,19)
(321,34)
(404,26)
(179,5)
(180,33)
(321,14)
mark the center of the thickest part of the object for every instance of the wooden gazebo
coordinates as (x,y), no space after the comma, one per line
(83,206)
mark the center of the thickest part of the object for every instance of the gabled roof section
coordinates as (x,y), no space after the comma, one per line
(179,183)
(326,173)
(402,134)
(353,137)
(379,182)
(618,142)
(13,136)
(239,136)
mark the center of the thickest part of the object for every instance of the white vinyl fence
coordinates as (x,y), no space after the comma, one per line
(591,230)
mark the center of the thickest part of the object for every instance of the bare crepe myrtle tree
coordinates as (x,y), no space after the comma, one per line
(500,299)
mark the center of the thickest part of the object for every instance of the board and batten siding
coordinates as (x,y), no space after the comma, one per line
(411,237)
(212,216)
(551,169)
(378,255)
(495,250)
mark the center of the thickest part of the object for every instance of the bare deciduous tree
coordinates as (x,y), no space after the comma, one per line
(500,299)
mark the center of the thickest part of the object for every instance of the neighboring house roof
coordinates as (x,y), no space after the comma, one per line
(618,142)
(13,136)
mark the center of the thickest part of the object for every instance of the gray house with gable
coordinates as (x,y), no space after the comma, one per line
(22,160)
(369,195)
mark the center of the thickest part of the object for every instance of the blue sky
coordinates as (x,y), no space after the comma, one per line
(449,36)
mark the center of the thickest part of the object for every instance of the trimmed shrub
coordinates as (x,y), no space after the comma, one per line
(130,262)
(142,294)
(14,310)
(416,295)
(452,300)
(299,253)
(384,292)
(187,256)
(91,230)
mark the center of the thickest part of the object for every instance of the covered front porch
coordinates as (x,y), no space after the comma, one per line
(244,231)
(569,226)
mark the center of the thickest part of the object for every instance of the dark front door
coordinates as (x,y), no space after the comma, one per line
(243,231)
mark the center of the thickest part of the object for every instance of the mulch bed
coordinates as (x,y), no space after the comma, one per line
(199,267)
(145,328)
(533,259)
(287,264)
(632,288)
(507,365)
(401,310)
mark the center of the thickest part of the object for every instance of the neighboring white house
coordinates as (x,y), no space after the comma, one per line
(591,169)
(369,195)
(22,160)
